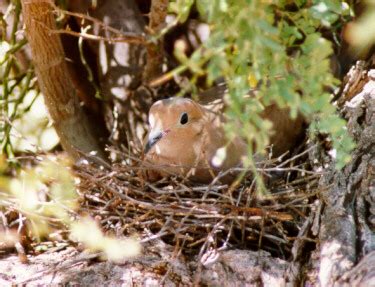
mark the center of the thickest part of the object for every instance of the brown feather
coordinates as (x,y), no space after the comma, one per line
(189,149)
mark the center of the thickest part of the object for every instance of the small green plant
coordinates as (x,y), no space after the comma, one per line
(24,124)
(15,81)
(277,46)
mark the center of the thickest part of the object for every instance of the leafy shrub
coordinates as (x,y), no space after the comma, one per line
(278,47)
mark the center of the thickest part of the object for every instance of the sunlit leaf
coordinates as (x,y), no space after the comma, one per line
(87,231)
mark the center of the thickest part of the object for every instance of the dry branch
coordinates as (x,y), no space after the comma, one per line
(155,51)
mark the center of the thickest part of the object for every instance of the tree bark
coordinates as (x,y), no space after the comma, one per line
(347,229)
(155,51)
(71,124)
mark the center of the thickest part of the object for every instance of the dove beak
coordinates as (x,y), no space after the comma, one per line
(153,138)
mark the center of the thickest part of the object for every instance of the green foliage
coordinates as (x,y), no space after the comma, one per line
(277,46)
(24,125)
(14,82)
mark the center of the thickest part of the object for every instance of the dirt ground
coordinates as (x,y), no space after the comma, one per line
(155,268)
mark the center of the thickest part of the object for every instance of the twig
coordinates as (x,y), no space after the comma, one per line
(155,49)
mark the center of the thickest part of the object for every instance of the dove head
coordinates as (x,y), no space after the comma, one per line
(174,123)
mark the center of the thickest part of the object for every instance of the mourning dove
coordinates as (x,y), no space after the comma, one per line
(187,139)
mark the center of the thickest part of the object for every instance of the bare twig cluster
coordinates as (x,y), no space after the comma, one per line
(201,218)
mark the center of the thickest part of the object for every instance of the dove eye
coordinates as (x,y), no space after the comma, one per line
(184,119)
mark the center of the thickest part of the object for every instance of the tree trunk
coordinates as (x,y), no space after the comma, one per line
(71,124)
(347,232)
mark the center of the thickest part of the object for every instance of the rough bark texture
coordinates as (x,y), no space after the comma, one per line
(347,231)
(76,134)
(155,51)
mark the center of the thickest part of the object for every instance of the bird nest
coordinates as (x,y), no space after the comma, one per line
(201,217)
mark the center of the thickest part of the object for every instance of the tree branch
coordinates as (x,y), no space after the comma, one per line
(155,50)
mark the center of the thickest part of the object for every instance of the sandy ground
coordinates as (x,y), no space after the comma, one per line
(74,268)
(157,267)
